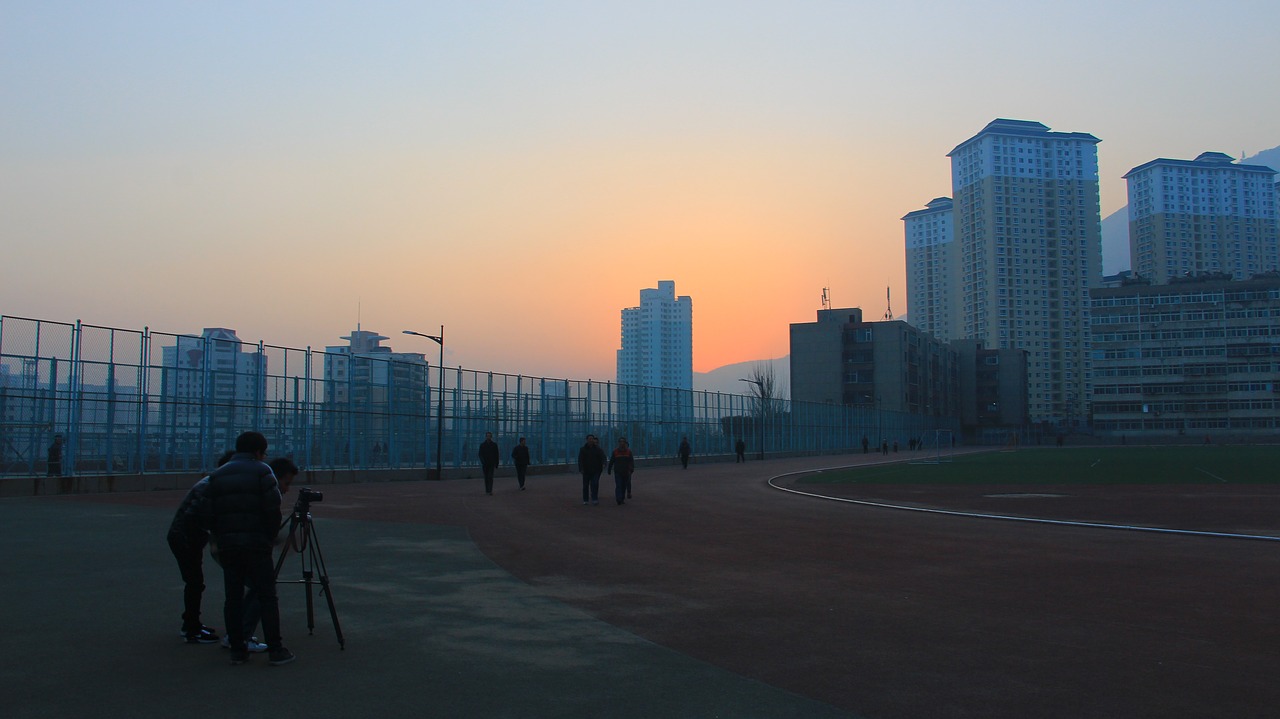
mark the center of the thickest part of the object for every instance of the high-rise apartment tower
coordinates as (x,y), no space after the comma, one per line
(933,270)
(1189,217)
(1028,220)
(657,340)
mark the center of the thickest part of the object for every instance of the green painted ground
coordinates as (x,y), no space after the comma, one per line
(1083,465)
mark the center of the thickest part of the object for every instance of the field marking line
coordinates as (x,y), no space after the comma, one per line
(1211,474)
(1095,464)
(1006,517)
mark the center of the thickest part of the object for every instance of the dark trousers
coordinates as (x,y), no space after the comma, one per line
(190,558)
(250,568)
(621,486)
(590,486)
(488,477)
(520,470)
(684,461)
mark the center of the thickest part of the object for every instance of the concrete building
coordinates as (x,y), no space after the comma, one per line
(1203,215)
(993,391)
(1199,356)
(1028,221)
(934,270)
(890,365)
(377,398)
(213,380)
(657,340)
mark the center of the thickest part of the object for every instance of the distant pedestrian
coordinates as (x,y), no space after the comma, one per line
(520,458)
(895,446)
(684,451)
(741,449)
(55,456)
(884,446)
(591,462)
(488,460)
(866,444)
(622,464)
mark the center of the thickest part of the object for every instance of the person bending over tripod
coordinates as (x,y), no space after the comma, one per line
(243,504)
(187,540)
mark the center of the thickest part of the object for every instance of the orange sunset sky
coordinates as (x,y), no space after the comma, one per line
(519,171)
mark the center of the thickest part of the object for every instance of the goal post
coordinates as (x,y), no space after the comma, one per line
(937,446)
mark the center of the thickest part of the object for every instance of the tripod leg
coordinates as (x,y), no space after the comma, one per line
(317,560)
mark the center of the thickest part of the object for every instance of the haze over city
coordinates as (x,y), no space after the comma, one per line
(518,172)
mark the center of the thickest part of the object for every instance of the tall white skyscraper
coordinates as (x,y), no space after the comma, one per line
(933,270)
(1028,220)
(657,340)
(1202,215)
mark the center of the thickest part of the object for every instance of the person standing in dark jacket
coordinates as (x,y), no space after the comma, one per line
(622,464)
(243,507)
(520,458)
(55,457)
(591,461)
(488,460)
(684,451)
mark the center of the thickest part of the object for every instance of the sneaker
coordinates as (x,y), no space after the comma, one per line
(595,501)
(239,656)
(203,635)
(251,644)
(281,656)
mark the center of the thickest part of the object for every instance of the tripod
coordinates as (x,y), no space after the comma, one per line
(305,543)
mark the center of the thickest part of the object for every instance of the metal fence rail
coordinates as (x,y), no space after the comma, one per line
(139,401)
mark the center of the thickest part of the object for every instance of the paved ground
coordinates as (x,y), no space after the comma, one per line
(708,595)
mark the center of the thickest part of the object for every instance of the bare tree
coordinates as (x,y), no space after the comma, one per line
(764,387)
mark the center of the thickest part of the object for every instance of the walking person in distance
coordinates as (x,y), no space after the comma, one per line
(520,458)
(488,460)
(591,461)
(622,464)
(684,451)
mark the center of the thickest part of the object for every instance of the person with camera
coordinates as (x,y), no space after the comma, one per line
(187,539)
(285,470)
(243,511)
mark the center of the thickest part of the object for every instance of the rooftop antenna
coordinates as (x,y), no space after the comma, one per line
(826,298)
(358,309)
(888,306)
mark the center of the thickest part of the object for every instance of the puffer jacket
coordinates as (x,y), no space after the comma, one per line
(186,527)
(243,504)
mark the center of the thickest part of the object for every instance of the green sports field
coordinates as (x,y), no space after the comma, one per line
(1078,465)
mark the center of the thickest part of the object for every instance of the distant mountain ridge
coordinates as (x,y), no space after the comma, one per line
(1115,227)
(725,379)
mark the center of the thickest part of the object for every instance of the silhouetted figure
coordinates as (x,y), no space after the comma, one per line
(621,464)
(55,456)
(243,508)
(520,458)
(866,444)
(684,451)
(591,461)
(488,460)
(187,540)
(741,448)
(884,446)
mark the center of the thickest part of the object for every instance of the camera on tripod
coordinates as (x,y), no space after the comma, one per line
(306,496)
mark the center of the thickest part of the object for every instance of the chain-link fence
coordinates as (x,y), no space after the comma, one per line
(78,399)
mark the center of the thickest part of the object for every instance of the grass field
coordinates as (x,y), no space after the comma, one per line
(1091,465)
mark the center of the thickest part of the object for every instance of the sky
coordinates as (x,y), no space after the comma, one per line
(519,171)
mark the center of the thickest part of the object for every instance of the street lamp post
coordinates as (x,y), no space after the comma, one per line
(438,339)
(759,386)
